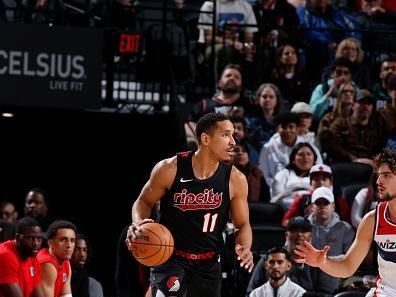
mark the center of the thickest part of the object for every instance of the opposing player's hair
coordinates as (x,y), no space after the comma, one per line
(207,122)
(59,224)
(277,250)
(24,223)
(387,157)
(81,236)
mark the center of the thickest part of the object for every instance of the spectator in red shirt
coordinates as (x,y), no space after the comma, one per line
(20,270)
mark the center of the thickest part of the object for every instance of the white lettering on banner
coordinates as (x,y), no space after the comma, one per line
(64,66)
(63,85)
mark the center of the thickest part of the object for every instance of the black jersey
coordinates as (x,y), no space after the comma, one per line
(194,210)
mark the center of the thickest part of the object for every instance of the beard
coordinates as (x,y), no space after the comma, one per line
(388,197)
(230,88)
(277,277)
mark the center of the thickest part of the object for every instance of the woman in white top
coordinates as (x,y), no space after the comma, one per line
(295,176)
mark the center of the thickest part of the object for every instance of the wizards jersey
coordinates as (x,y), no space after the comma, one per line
(385,238)
(195,210)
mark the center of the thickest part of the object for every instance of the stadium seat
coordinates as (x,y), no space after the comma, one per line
(349,192)
(265,214)
(349,173)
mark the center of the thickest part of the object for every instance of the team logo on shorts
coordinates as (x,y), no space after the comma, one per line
(32,271)
(173,284)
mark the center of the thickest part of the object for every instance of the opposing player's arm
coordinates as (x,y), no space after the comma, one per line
(161,179)
(346,266)
(48,278)
(67,287)
(240,217)
(11,290)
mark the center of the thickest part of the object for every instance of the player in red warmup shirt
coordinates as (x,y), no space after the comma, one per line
(54,261)
(19,268)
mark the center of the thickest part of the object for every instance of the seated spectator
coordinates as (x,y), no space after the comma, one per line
(235,26)
(323,98)
(305,113)
(320,176)
(36,207)
(351,49)
(343,108)
(274,155)
(258,189)
(295,176)
(329,230)
(8,212)
(240,132)
(388,113)
(289,77)
(366,199)
(278,264)
(360,136)
(380,91)
(298,230)
(261,125)
(228,97)
(82,284)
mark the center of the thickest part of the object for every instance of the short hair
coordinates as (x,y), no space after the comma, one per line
(231,66)
(237,119)
(80,236)
(294,152)
(287,118)
(59,224)
(387,157)
(276,250)
(341,62)
(207,122)
(26,222)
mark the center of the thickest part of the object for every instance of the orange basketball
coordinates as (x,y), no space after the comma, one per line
(154,244)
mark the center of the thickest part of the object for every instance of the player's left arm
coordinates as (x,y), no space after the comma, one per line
(240,217)
(66,290)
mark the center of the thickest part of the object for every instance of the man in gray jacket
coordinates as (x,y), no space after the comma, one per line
(329,230)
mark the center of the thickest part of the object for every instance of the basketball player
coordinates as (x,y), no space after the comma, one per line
(19,269)
(196,192)
(54,261)
(378,225)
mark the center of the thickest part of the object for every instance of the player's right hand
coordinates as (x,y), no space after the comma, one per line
(307,254)
(134,229)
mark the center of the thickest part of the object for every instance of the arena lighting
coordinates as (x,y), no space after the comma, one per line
(7,114)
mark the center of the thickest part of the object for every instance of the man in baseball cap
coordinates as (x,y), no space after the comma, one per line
(304,112)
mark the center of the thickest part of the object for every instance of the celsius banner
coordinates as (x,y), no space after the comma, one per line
(50,66)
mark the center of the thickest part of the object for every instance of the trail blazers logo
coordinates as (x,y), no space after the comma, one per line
(190,201)
(173,284)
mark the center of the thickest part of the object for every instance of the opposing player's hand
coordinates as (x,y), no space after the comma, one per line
(133,230)
(306,253)
(245,256)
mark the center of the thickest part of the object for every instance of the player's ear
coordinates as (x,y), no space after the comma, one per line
(204,138)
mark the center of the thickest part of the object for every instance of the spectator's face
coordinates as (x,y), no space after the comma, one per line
(35,205)
(289,56)
(63,244)
(80,253)
(386,182)
(241,157)
(277,265)
(230,81)
(8,212)
(320,180)
(320,4)
(304,159)
(239,131)
(30,241)
(387,69)
(288,133)
(363,109)
(343,73)
(305,122)
(347,94)
(324,210)
(268,99)
(297,236)
(350,51)
(367,6)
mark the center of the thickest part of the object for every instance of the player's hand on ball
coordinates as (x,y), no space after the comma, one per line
(133,230)
(245,256)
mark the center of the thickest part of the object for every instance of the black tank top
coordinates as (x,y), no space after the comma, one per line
(194,210)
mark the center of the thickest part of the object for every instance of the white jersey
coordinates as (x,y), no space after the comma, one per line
(385,238)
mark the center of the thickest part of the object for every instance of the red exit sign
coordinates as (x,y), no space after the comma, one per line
(129,43)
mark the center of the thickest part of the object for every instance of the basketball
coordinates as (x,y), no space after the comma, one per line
(154,244)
